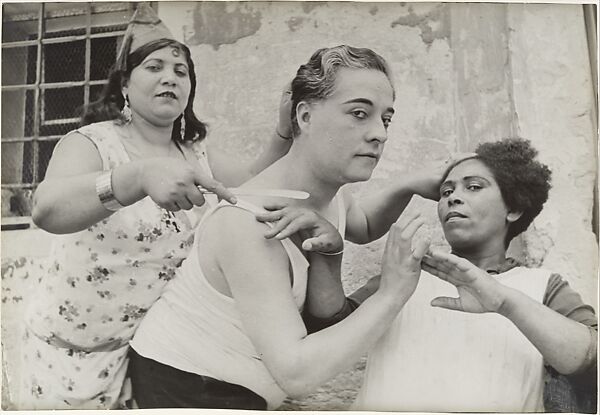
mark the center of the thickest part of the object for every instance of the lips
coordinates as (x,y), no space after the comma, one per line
(371,155)
(167,94)
(452,215)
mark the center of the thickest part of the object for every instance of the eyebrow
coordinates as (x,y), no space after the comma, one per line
(163,61)
(366,102)
(465,179)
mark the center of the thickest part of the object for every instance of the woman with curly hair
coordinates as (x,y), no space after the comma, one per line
(483,350)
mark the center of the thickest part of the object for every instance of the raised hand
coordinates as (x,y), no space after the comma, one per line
(318,234)
(478,292)
(173,184)
(426,182)
(401,262)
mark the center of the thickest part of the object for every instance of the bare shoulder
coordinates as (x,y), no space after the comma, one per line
(233,242)
(234,229)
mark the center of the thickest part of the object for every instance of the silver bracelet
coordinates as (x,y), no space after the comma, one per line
(104,190)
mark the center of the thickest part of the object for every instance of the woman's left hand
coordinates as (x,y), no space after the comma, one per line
(478,292)
(318,234)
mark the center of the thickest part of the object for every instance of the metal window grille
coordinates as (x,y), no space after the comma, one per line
(55,60)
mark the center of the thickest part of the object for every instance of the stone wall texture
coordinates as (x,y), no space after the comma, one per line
(463,73)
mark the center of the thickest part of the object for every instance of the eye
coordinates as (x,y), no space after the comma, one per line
(153,67)
(474,187)
(386,121)
(445,192)
(181,72)
(360,114)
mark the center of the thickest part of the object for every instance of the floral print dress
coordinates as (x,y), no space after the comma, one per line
(98,285)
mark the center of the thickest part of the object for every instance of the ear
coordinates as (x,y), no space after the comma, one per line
(513,216)
(303,111)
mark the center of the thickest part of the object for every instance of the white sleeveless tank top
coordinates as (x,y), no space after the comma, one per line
(195,328)
(438,360)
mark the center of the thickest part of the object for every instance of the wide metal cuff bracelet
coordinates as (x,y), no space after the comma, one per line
(105,193)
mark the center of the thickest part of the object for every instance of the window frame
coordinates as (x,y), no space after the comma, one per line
(39,86)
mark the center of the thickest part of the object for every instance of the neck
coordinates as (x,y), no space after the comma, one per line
(484,259)
(295,171)
(159,136)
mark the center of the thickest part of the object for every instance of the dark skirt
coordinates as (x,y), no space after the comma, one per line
(160,386)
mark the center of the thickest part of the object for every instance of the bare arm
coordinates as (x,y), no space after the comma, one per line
(371,217)
(233,173)
(257,271)
(66,201)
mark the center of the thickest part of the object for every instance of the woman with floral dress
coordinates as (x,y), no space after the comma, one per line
(122,193)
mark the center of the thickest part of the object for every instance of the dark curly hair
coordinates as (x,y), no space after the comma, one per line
(315,80)
(524,182)
(111,102)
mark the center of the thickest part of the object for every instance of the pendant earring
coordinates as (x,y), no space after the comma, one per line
(182,128)
(126,111)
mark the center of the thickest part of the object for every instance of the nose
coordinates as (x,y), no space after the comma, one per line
(168,77)
(454,199)
(378,132)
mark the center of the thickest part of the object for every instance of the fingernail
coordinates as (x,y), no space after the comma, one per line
(234,200)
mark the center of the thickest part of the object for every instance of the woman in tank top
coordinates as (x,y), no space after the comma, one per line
(228,332)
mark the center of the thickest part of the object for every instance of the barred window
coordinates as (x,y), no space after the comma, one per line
(55,60)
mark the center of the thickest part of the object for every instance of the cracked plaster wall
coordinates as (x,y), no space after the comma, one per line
(464,73)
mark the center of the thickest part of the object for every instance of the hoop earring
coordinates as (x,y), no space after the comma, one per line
(126,111)
(182,127)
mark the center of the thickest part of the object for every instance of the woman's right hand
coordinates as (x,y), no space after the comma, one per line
(317,233)
(401,263)
(173,184)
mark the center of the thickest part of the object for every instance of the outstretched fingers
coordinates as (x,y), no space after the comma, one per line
(281,225)
(448,303)
(425,265)
(449,267)
(210,184)
(401,235)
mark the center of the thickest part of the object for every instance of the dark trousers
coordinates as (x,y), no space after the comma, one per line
(160,386)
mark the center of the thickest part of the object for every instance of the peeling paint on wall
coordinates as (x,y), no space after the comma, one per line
(295,22)
(221,23)
(433,24)
(309,6)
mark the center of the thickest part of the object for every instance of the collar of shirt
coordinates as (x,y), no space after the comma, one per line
(507,265)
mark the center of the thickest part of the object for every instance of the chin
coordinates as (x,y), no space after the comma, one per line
(361,175)
(457,240)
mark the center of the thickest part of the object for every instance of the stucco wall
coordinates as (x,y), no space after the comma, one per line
(463,73)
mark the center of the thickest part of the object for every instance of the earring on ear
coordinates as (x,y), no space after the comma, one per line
(182,127)
(513,216)
(126,111)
